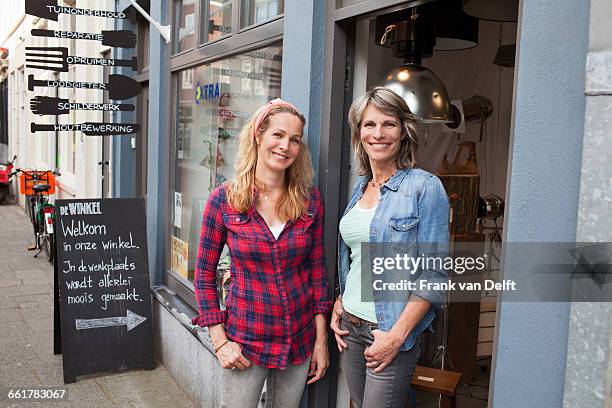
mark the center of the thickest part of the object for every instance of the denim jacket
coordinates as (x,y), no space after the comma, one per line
(413,209)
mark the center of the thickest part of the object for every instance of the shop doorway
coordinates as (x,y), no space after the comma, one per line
(471,159)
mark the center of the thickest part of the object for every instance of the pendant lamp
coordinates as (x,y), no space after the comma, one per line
(420,87)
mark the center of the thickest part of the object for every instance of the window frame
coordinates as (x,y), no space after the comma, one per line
(170,278)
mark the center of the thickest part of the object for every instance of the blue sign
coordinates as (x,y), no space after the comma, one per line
(207,91)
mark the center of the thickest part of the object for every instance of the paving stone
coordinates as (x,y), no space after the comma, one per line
(137,380)
(40,324)
(10,315)
(8,302)
(36,289)
(8,283)
(42,345)
(18,354)
(28,305)
(14,330)
(87,394)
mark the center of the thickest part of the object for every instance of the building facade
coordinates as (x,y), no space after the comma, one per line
(543,151)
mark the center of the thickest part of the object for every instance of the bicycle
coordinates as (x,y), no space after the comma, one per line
(37,185)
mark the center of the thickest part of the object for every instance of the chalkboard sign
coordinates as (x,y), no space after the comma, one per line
(104,290)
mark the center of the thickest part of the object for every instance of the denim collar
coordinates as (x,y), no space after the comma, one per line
(393,183)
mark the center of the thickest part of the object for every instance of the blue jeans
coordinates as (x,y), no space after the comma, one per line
(388,389)
(284,388)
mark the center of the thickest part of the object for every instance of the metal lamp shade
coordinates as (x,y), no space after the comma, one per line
(494,10)
(422,90)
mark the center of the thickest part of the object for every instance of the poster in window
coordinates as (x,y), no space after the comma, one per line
(180,254)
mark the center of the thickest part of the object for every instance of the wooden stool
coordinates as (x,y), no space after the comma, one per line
(438,381)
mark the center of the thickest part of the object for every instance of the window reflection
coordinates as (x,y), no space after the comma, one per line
(258,11)
(213,103)
(185,16)
(219,22)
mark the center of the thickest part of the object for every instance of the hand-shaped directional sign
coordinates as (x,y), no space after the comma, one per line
(116,38)
(45,105)
(89,128)
(49,9)
(57,59)
(118,86)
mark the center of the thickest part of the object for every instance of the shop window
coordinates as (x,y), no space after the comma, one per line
(216,19)
(253,12)
(184,25)
(213,103)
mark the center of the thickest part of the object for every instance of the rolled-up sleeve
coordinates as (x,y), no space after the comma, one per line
(433,238)
(318,274)
(212,239)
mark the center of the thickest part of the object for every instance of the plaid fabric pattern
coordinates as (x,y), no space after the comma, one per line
(277,286)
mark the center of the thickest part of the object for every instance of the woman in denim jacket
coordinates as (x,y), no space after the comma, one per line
(396,210)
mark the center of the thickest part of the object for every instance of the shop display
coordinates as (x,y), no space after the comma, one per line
(180,255)
(462,182)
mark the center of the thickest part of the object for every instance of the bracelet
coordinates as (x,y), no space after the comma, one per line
(222,344)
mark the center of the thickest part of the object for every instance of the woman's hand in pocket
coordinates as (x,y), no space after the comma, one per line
(336,326)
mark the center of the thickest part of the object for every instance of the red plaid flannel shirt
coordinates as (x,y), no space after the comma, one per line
(276,287)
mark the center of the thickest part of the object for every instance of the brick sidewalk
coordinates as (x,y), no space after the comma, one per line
(26,336)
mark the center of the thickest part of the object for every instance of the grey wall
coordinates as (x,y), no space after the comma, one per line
(123,156)
(159,142)
(193,367)
(542,194)
(302,85)
(302,82)
(589,372)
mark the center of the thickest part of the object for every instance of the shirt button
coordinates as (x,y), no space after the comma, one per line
(237,219)
(288,340)
(287,317)
(284,294)
(278,270)
(275,246)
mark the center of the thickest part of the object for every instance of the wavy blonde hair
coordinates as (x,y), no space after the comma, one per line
(298,177)
(389,103)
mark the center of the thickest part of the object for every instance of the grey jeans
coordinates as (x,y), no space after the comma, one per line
(284,388)
(389,388)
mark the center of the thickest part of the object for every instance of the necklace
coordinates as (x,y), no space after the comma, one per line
(268,194)
(379,185)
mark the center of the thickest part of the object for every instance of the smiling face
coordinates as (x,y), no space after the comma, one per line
(279,145)
(380,136)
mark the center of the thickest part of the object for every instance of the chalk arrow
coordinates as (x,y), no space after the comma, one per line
(131,320)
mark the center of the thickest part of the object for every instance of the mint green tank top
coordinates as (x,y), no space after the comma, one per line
(355,229)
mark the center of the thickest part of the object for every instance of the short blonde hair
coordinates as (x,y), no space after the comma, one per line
(298,177)
(389,103)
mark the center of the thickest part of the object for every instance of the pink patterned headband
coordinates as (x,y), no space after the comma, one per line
(263,114)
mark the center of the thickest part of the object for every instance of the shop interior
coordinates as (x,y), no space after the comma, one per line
(453,62)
